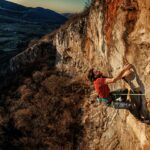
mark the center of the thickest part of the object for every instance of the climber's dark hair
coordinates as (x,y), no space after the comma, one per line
(91,75)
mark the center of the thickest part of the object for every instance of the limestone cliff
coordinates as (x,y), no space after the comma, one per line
(101,37)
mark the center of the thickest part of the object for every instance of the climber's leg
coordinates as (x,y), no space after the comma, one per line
(140,104)
(144,111)
(136,99)
(122,105)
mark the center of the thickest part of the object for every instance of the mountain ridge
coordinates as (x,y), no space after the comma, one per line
(13,7)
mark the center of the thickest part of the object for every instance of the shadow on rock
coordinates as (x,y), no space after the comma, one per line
(44,112)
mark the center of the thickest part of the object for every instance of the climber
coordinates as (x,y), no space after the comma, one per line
(116,99)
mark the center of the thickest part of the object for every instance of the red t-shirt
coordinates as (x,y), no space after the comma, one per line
(101,88)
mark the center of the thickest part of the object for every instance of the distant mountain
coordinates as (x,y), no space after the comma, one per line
(68,15)
(38,14)
(12,6)
(19,25)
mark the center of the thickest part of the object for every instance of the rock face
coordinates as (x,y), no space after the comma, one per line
(103,36)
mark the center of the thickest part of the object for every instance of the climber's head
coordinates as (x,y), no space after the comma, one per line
(94,74)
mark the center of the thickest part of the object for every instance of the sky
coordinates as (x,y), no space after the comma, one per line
(61,6)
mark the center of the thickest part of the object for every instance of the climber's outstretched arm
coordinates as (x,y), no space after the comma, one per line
(119,76)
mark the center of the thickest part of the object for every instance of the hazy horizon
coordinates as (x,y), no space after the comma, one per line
(63,6)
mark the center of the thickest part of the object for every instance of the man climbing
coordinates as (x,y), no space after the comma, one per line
(104,95)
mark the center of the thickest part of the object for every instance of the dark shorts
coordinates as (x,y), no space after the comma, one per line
(120,93)
(117,99)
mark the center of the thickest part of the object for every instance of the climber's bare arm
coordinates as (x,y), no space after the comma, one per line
(120,75)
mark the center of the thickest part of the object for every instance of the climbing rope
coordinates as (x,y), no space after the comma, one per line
(121,94)
(128,94)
